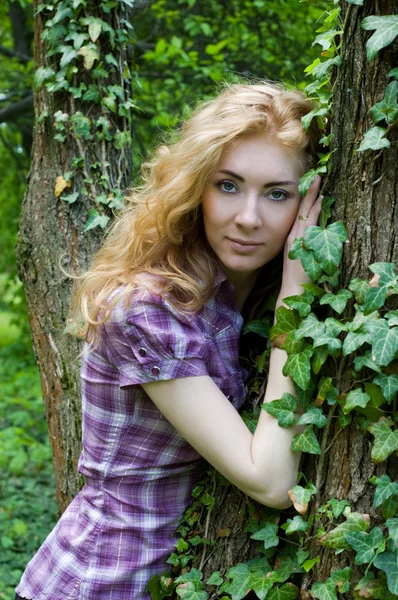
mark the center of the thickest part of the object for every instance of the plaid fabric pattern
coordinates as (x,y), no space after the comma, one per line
(119,530)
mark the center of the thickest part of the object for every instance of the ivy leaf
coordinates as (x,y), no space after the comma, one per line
(298,366)
(392,317)
(90,55)
(359,287)
(357,2)
(366,360)
(384,341)
(365,544)
(310,327)
(268,535)
(315,112)
(327,244)
(386,29)
(388,108)
(325,213)
(313,416)
(295,524)
(355,398)
(332,280)
(308,564)
(323,67)
(392,525)
(324,591)
(310,265)
(336,538)
(341,578)
(95,220)
(384,488)
(319,357)
(42,75)
(388,385)
(261,583)
(334,327)
(338,506)
(306,181)
(386,440)
(300,303)
(306,441)
(354,340)
(282,409)
(215,579)
(374,140)
(389,508)
(287,591)
(260,327)
(375,298)
(301,497)
(388,562)
(286,321)
(190,592)
(386,272)
(337,301)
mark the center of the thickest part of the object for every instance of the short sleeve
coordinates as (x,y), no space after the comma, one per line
(148,340)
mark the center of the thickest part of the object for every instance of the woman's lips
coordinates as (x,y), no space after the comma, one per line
(243,247)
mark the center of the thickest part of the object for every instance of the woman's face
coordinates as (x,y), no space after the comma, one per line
(250,204)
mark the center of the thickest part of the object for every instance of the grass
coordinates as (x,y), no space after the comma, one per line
(27,501)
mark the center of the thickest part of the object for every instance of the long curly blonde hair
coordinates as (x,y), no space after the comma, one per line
(160,230)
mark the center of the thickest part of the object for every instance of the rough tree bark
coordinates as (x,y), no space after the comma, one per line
(52,234)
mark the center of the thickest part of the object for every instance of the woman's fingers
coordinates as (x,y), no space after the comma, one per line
(310,206)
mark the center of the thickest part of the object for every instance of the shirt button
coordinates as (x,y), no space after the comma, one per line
(142,352)
(155,370)
(230,397)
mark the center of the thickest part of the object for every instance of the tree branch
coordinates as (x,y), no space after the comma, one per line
(23,58)
(17,109)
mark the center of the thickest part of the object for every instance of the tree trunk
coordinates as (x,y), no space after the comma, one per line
(52,236)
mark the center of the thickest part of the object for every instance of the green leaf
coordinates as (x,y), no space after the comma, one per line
(386,29)
(68,54)
(355,398)
(324,591)
(375,298)
(326,38)
(386,272)
(325,213)
(268,535)
(357,2)
(334,327)
(365,544)
(306,441)
(389,507)
(388,562)
(261,327)
(295,524)
(300,303)
(287,591)
(282,409)
(388,385)
(306,181)
(359,287)
(191,593)
(384,341)
(366,360)
(310,264)
(387,109)
(301,497)
(262,583)
(386,440)
(336,538)
(384,488)
(338,506)
(327,244)
(308,564)
(341,578)
(354,340)
(71,198)
(392,317)
(42,75)
(374,140)
(215,579)
(313,416)
(315,112)
(392,525)
(310,327)
(337,301)
(95,220)
(322,68)
(286,321)
(298,366)
(319,356)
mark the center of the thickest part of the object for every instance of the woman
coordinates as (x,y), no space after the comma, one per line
(161,310)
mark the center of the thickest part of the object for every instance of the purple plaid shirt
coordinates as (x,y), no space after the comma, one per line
(120,529)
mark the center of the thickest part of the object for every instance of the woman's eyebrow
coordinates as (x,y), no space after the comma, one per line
(267,184)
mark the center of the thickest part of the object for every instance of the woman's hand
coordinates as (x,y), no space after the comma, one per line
(294,276)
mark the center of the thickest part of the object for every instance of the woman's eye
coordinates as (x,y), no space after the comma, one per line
(277,195)
(227,186)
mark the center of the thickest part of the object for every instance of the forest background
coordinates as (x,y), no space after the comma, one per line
(182,50)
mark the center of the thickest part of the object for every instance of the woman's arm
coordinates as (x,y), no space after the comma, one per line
(261,465)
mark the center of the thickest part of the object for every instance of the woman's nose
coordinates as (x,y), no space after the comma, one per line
(248,215)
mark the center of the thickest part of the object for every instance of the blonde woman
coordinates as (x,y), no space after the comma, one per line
(161,311)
